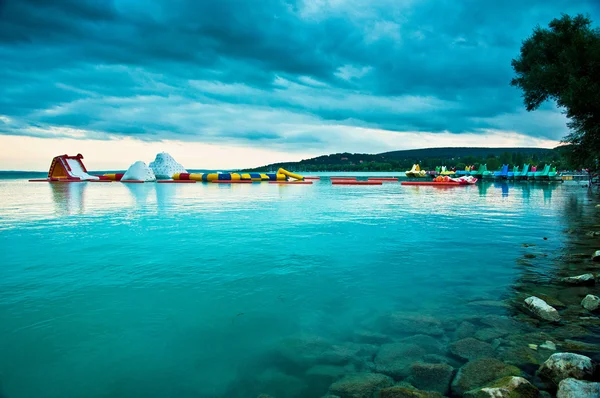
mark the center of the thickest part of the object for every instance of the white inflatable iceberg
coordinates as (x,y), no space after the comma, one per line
(139,172)
(164,166)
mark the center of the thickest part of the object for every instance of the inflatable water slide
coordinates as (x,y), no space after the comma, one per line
(164,168)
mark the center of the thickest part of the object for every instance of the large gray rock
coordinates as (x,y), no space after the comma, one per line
(360,385)
(480,372)
(573,388)
(541,309)
(596,256)
(395,359)
(507,387)
(564,365)
(432,377)
(591,302)
(471,348)
(585,279)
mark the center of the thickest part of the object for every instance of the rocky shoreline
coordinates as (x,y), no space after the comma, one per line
(542,341)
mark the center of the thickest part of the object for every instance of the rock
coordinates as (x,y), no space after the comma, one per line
(265,396)
(480,372)
(471,348)
(545,394)
(303,351)
(548,345)
(489,334)
(164,166)
(569,331)
(501,322)
(341,354)
(330,396)
(464,330)
(566,365)
(368,337)
(523,356)
(507,387)
(529,255)
(431,377)
(541,309)
(279,384)
(584,279)
(395,359)
(596,256)
(430,344)
(360,385)
(327,374)
(400,392)
(573,388)
(574,345)
(591,302)
(415,324)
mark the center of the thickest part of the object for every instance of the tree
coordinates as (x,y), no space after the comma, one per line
(562,63)
(505,158)
(493,164)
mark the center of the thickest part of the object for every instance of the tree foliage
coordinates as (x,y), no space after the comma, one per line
(562,63)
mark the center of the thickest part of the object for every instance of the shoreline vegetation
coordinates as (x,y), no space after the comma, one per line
(428,159)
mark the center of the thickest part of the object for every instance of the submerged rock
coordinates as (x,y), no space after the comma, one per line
(548,345)
(584,279)
(415,324)
(573,388)
(360,385)
(507,387)
(501,322)
(566,365)
(401,392)
(596,256)
(480,372)
(541,309)
(464,330)
(523,356)
(369,337)
(591,302)
(574,345)
(489,334)
(430,344)
(395,359)
(431,377)
(471,348)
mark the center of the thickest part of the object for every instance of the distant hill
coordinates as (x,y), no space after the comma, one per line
(458,152)
(427,157)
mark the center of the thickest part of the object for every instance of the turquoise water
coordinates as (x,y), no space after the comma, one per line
(190,290)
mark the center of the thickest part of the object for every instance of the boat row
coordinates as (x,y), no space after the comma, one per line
(548,173)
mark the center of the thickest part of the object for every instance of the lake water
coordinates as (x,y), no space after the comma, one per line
(197,290)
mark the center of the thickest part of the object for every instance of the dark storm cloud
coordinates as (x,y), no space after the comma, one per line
(270,71)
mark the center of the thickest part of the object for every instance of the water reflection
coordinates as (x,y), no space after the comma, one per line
(140,192)
(68,198)
(503,186)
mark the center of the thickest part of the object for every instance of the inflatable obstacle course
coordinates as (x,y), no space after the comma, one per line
(164,168)
(65,168)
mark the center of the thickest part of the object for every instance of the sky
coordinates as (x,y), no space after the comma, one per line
(242,83)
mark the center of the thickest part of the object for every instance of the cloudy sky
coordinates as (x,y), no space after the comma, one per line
(239,83)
